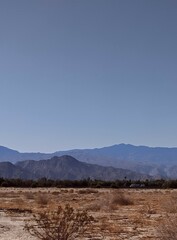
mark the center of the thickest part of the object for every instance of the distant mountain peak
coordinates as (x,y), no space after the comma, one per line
(67,167)
(5,149)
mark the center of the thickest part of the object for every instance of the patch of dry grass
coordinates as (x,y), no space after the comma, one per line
(29,195)
(168,228)
(111,201)
(87,191)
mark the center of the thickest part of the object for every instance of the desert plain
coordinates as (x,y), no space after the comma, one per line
(118,213)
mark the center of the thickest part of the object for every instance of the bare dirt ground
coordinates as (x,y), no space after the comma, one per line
(120,214)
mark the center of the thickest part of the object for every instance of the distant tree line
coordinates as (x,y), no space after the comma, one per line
(86,183)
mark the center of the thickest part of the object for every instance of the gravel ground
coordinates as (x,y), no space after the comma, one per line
(12,228)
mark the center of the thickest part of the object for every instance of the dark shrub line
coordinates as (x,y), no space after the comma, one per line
(86,183)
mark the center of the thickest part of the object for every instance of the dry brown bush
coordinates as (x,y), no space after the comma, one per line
(64,190)
(119,198)
(42,199)
(71,191)
(63,224)
(55,193)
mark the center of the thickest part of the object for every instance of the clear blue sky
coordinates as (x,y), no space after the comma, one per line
(87,73)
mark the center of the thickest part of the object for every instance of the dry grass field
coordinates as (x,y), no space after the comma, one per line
(119,213)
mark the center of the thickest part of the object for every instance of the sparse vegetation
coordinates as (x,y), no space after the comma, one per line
(119,213)
(111,202)
(63,224)
(168,227)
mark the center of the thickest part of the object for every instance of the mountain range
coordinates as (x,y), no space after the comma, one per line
(158,162)
(65,167)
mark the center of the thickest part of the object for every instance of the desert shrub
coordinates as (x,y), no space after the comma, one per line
(71,191)
(63,224)
(56,193)
(119,198)
(82,191)
(64,190)
(42,199)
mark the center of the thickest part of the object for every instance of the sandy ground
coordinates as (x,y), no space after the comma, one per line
(12,227)
(139,218)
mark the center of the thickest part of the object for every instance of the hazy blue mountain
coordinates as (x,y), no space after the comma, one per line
(154,161)
(7,154)
(126,152)
(157,162)
(65,167)
(9,170)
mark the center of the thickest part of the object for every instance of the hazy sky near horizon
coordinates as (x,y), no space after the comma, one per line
(87,73)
